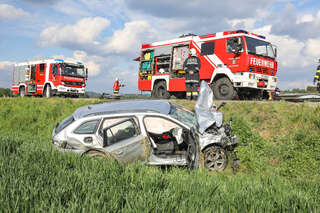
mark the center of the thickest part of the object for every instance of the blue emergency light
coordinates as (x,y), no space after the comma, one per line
(61,60)
(242,31)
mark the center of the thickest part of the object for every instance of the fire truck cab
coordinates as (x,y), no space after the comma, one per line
(49,77)
(235,63)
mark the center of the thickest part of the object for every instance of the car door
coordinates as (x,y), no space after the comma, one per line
(124,141)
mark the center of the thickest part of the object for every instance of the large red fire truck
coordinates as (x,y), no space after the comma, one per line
(49,77)
(235,63)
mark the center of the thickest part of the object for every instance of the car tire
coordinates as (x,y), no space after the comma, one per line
(47,92)
(22,91)
(223,89)
(160,90)
(215,158)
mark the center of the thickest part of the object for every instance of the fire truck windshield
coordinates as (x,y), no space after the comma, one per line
(74,70)
(260,48)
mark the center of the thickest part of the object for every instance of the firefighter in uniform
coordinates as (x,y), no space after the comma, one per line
(192,66)
(317,77)
(116,86)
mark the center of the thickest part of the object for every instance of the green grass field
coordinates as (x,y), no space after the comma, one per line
(279,172)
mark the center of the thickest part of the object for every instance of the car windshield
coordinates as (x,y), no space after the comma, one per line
(63,124)
(260,48)
(74,70)
(183,115)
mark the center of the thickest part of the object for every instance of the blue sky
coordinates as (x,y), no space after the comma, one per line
(107,34)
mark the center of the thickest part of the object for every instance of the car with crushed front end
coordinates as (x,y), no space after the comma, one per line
(157,132)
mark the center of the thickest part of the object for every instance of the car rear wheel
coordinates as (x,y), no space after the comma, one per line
(223,89)
(215,158)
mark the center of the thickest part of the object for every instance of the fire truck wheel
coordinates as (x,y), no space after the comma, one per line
(223,89)
(47,91)
(160,90)
(22,91)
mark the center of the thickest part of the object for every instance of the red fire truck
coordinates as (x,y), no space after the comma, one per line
(235,63)
(49,77)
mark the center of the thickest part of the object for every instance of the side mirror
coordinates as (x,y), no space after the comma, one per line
(105,138)
(86,73)
(275,52)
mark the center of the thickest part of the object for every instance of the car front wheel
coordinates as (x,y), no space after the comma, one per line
(215,158)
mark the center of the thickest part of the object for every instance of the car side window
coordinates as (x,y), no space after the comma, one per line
(121,131)
(88,127)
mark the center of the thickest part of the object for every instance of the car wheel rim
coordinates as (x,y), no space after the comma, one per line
(215,160)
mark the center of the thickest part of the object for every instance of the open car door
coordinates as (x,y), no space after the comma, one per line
(125,142)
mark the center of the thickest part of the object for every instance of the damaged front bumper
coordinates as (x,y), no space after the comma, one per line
(207,139)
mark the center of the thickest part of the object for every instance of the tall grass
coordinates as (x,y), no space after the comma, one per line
(279,169)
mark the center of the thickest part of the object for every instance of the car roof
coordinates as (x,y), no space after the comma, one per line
(126,106)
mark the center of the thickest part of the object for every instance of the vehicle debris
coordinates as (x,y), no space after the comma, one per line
(156,132)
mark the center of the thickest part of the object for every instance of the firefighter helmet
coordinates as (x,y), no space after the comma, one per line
(193,52)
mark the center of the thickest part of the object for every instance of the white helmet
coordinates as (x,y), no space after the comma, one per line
(117,79)
(193,52)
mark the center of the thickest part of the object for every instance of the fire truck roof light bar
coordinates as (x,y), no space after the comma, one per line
(79,62)
(61,60)
(245,32)
(242,31)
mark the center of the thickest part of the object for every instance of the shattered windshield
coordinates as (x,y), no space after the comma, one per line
(260,48)
(73,70)
(183,115)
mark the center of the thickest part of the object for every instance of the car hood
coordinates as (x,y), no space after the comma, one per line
(204,113)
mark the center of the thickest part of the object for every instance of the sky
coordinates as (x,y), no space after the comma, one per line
(107,34)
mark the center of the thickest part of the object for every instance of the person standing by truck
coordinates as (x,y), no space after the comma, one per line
(192,66)
(116,86)
(317,77)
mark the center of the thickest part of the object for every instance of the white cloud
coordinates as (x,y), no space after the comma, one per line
(305,18)
(246,23)
(6,64)
(85,31)
(313,47)
(290,51)
(8,12)
(130,38)
(91,62)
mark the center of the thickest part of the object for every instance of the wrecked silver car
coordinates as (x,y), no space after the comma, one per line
(154,131)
